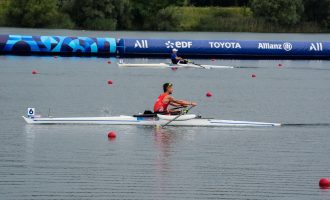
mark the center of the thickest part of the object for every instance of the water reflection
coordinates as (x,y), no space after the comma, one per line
(163,139)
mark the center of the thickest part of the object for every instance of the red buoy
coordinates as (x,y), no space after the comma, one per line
(209,94)
(109,62)
(174,68)
(280,65)
(253,76)
(212,59)
(55,57)
(324,183)
(110,82)
(34,72)
(112,135)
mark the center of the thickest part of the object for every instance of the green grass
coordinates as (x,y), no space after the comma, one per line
(190,18)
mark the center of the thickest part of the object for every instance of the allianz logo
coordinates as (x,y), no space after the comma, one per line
(287,46)
(225,45)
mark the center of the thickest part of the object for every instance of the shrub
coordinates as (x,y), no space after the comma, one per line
(167,20)
(283,12)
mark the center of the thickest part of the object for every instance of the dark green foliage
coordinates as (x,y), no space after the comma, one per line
(92,14)
(318,11)
(99,14)
(3,8)
(167,20)
(282,12)
(144,13)
(35,13)
(170,15)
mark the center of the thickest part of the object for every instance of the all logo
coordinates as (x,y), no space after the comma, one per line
(178,44)
(318,46)
(142,44)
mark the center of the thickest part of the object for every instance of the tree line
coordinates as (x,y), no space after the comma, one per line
(169,15)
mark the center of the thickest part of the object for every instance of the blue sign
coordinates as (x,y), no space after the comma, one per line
(236,48)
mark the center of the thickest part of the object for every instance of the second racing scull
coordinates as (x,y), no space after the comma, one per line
(145,120)
(179,65)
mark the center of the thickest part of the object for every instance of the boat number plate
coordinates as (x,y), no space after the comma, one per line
(30,112)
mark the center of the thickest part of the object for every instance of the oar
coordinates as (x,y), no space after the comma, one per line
(183,112)
(197,64)
(178,107)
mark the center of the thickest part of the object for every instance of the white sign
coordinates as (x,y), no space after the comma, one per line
(143,44)
(178,44)
(30,112)
(266,45)
(225,45)
(316,46)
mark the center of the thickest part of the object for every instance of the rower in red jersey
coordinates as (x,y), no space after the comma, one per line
(165,99)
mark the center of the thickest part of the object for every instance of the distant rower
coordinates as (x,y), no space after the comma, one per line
(165,99)
(175,58)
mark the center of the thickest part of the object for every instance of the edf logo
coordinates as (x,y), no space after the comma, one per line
(178,44)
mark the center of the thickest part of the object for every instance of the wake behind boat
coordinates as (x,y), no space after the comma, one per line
(150,119)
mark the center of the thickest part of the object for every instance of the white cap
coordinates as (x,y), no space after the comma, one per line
(174,49)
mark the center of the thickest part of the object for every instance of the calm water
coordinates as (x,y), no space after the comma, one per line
(79,162)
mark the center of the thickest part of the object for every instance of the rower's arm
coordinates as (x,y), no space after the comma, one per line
(174,104)
(181,102)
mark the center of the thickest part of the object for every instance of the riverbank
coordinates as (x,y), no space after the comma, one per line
(255,16)
(228,19)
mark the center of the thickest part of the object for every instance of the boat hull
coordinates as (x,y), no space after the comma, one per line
(141,121)
(167,65)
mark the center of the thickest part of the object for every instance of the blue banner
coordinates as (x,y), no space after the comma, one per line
(22,44)
(234,48)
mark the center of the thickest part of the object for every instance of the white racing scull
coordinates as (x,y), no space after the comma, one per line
(145,120)
(179,65)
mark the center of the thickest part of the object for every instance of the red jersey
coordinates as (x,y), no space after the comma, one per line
(159,105)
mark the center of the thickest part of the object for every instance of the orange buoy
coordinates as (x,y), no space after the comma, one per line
(209,94)
(110,82)
(112,135)
(253,76)
(324,183)
(34,72)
